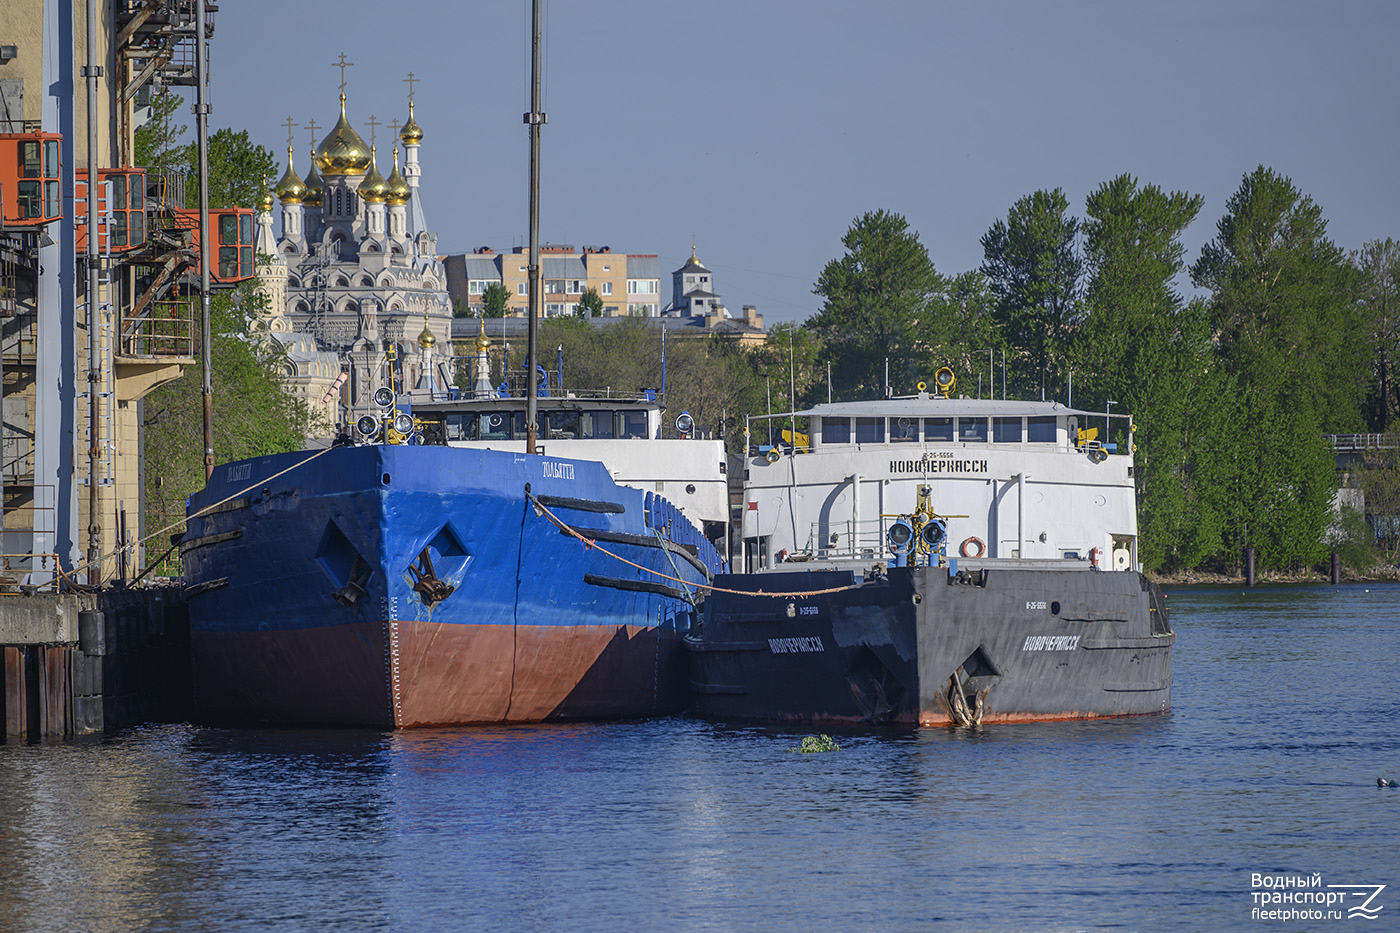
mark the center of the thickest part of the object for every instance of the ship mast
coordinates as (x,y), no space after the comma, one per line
(534,120)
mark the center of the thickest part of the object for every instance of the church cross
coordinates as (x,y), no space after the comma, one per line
(372,123)
(312,127)
(342,65)
(410,81)
(289,124)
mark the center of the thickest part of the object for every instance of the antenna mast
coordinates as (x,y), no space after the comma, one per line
(534,120)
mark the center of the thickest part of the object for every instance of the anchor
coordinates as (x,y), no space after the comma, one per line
(426,583)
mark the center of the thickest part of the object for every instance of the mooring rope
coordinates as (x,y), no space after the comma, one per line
(79,568)
(591,544)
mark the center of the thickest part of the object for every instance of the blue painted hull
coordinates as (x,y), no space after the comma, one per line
(403,585)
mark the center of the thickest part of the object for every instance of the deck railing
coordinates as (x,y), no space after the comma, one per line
(1353,442)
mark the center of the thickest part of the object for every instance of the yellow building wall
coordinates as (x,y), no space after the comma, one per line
(119,481)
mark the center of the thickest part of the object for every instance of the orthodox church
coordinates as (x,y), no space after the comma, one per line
(356,295)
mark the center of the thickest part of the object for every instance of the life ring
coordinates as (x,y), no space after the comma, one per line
(973,542)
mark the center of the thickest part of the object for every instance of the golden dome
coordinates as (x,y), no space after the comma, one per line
(313,185)
(482,342)
(694,261)
(374,189)
(342,152)
(265,202)
(411,133)
(290,190)
(426,339)
(399,190)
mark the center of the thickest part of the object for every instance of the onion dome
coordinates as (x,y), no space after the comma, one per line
(693,262)
(412,133)
(426,339)
(291,189)
(399,190)
(315,188)
(343,151)
(265,202)
(374,189)
(482,342)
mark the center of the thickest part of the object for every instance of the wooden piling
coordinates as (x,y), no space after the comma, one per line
(14,693)
(1336,568)
(1249,566)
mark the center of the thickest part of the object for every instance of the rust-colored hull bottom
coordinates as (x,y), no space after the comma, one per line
(930,718)
(407,674)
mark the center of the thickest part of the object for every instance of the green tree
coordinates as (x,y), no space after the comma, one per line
(956,330)
(495,301)
(253,414)
(1290,332)
(873,298)
(238,169)
(1034,268)
(1140,348)
(158,141)
(1377,475)
(591,304)
(1378,265)
(1132,254)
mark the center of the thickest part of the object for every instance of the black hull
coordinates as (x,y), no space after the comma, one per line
(913,647)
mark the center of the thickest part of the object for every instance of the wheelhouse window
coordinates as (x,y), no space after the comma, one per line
(1006,430)
(595,424)
(632,424)
(904,429)
(564,425)
(836,430)
(870,430)
(495,426)
(461,427)
(1041,430)
(972,429)
(938,429)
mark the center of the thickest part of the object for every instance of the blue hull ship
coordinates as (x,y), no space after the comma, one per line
(402,585)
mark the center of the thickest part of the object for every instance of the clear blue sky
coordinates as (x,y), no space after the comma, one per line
(764,127)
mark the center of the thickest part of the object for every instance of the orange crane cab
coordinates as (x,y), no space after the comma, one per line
(232,249)
(126,188)
(29,170)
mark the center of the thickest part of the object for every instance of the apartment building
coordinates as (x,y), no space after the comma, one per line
(627,283)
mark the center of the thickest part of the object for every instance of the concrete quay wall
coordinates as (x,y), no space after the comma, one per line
(86,663)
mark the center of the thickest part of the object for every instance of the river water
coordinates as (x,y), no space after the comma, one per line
(1286,708)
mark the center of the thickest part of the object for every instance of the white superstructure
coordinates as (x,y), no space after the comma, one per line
(1016,481)
(624,434)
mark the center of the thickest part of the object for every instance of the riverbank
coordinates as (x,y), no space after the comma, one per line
(1380,573)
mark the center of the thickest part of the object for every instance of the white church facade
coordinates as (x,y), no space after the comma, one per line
(355,293)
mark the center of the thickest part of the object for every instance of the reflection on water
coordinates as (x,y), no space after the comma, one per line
(1284,708)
